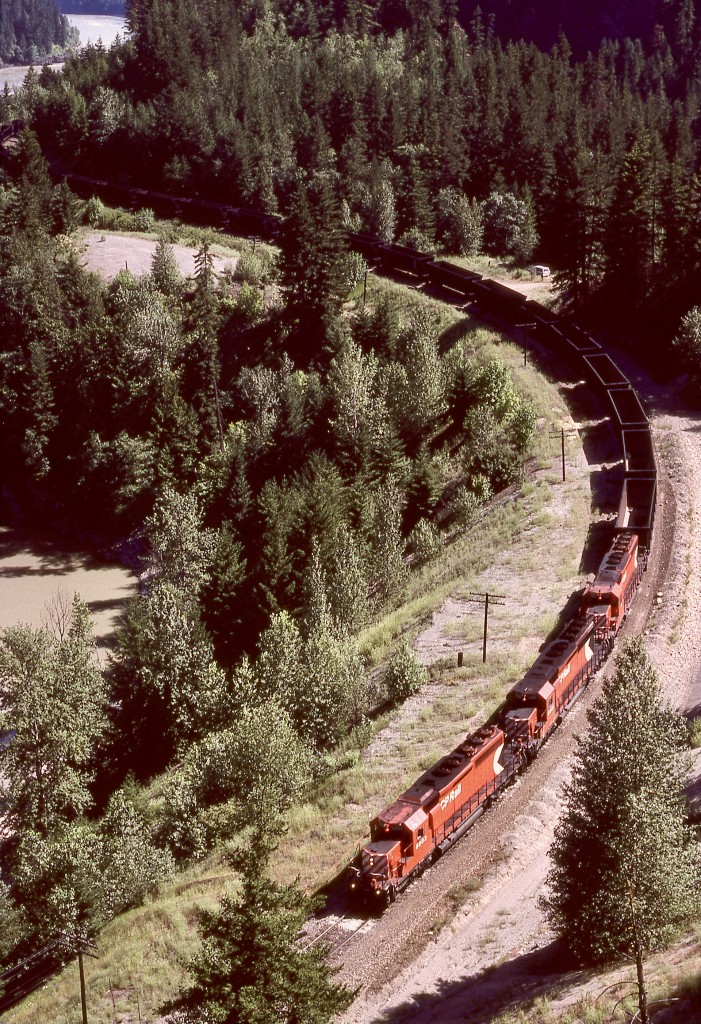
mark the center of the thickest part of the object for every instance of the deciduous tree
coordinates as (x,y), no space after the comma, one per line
(53,701)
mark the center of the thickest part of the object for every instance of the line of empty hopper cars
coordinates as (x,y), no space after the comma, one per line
(427,819)
(439,808)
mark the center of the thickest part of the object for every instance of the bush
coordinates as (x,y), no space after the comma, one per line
(415,238)
(250,268)
(249,305)
(464,507)
(405,674)
(425,541)
(352,268)
(143,220)
(95,212)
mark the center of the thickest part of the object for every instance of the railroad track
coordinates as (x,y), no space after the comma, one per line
(338,933)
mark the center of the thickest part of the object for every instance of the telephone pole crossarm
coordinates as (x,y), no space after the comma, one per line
(487,599)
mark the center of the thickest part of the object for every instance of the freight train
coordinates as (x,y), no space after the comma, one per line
(426,820)
(440,807)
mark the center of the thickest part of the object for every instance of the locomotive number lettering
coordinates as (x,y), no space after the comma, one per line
(451,796)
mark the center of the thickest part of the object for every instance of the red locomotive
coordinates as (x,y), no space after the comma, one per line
(432,814)
(442,805)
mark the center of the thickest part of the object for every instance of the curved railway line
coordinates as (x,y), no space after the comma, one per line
(566,341)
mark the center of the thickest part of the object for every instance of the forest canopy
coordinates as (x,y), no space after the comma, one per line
(590,165)
(31,29)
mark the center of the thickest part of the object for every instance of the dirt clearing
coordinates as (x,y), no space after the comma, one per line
(107,254)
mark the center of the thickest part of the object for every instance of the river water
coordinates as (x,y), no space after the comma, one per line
(92,27)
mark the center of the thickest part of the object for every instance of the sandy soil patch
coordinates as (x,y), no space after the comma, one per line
(107,254)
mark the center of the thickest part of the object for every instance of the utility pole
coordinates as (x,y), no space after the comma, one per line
(561,434)
(83,1000)
(80,946)
(496,599)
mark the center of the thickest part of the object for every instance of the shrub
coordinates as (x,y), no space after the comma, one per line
(352,269)
(464,506)
(415,238)
(405,674)
(249,305)
(95,212)
(250,268)
(425,540)
(143,220)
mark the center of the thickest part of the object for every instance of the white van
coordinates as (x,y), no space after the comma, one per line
(540,271)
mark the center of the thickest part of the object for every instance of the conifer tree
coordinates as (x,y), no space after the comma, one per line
(312,244)
(625,866)
(31,209)
(635,222)
(250,967)
(164,268)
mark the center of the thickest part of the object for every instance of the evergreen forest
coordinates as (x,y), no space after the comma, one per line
(408,116)
(31,30)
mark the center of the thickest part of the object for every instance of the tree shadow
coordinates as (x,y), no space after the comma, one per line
(45,557)
(483,997)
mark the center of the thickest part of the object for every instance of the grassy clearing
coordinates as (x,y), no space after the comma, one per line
(141,953)
(409,300)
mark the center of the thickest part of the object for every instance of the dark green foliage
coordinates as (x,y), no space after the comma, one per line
(626,867)
(311,270)
(250,967)
(29,29)
(586,163)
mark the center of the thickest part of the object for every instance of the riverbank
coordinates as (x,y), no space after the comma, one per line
(93,28)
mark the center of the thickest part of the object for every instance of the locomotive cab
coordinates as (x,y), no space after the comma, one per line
(602,599)
(520,723)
